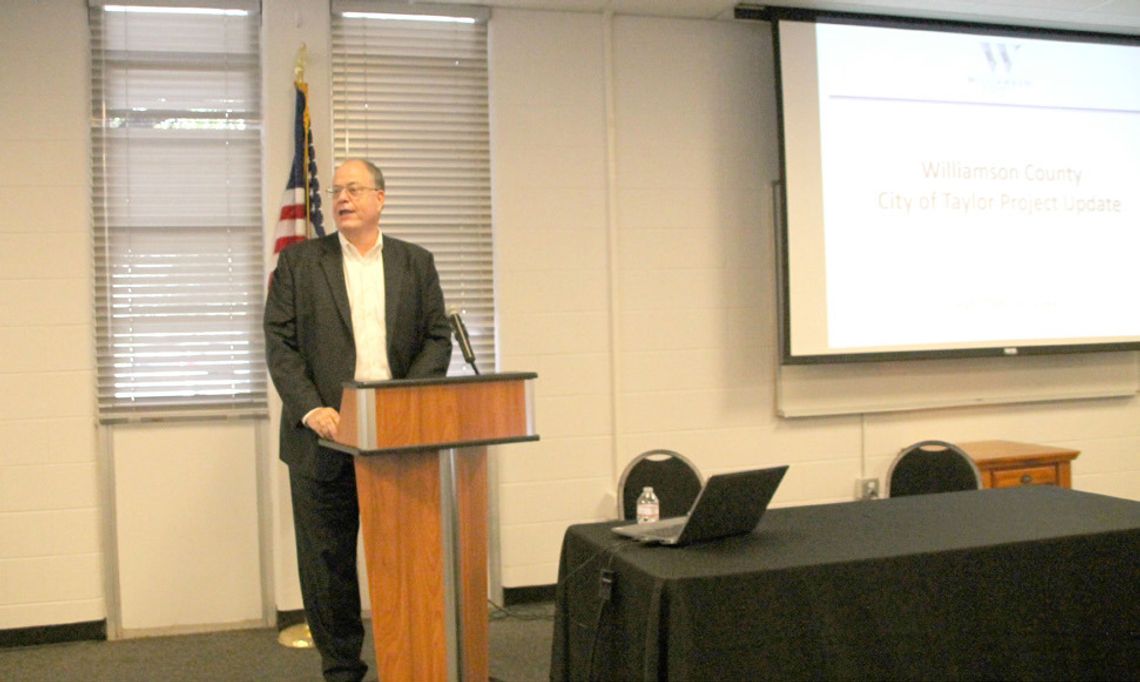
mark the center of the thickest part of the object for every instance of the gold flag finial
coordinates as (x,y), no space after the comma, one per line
(299,65)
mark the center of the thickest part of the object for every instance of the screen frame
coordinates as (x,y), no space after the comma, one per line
(775,15)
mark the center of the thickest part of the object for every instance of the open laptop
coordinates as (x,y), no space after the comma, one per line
(729,504)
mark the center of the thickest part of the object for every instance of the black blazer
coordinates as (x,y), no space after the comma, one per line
(308,335)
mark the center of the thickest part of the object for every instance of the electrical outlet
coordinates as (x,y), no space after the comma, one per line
(867,488)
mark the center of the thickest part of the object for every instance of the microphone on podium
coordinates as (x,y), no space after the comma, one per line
(461,337)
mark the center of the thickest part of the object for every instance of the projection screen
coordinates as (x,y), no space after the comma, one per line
(956,190)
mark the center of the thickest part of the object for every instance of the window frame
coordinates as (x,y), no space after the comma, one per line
(184,339)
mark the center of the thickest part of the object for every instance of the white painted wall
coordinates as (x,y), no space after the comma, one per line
(186,520)
(50,556)
(631,161)
(550,203)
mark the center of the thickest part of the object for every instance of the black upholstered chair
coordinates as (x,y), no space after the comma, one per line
(932,466)
(675,480)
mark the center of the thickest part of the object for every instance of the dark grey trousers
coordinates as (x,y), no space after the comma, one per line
(326,519)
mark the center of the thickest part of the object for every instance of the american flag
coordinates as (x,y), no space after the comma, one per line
(301,202)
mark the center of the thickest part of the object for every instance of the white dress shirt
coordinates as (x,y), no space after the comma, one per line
(364,278)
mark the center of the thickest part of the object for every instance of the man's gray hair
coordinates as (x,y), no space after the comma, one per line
(377,174)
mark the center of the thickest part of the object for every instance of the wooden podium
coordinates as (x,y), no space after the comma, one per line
(421,477)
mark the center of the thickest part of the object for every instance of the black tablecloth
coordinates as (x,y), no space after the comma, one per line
(1026,583)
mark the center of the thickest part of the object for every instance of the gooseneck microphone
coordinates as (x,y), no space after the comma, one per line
(461,337)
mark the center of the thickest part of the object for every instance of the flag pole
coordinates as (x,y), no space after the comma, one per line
(300,63)
(298,636)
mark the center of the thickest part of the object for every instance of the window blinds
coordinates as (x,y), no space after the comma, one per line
(410,94)
(176,209)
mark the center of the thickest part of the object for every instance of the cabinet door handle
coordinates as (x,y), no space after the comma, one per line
(1026,479)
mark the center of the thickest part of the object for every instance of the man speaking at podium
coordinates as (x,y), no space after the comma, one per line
(352,305)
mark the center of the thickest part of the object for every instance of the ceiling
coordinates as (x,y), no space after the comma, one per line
(1117,16)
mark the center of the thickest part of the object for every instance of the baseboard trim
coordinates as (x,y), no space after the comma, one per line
(54,634)
(513,596)
(195,629)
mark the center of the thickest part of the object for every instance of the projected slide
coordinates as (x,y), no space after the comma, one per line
(974,190)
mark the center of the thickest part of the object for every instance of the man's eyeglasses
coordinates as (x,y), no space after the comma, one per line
(354,191)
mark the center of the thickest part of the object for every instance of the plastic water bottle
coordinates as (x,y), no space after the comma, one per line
(648,507)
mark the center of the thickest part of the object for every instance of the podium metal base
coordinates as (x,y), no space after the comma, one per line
(296,637)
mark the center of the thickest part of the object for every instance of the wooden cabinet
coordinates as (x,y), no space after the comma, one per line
(1008,464)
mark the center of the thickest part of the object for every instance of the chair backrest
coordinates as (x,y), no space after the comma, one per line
(675,480)
(932,466)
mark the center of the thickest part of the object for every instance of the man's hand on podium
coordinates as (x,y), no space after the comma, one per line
(323,420)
